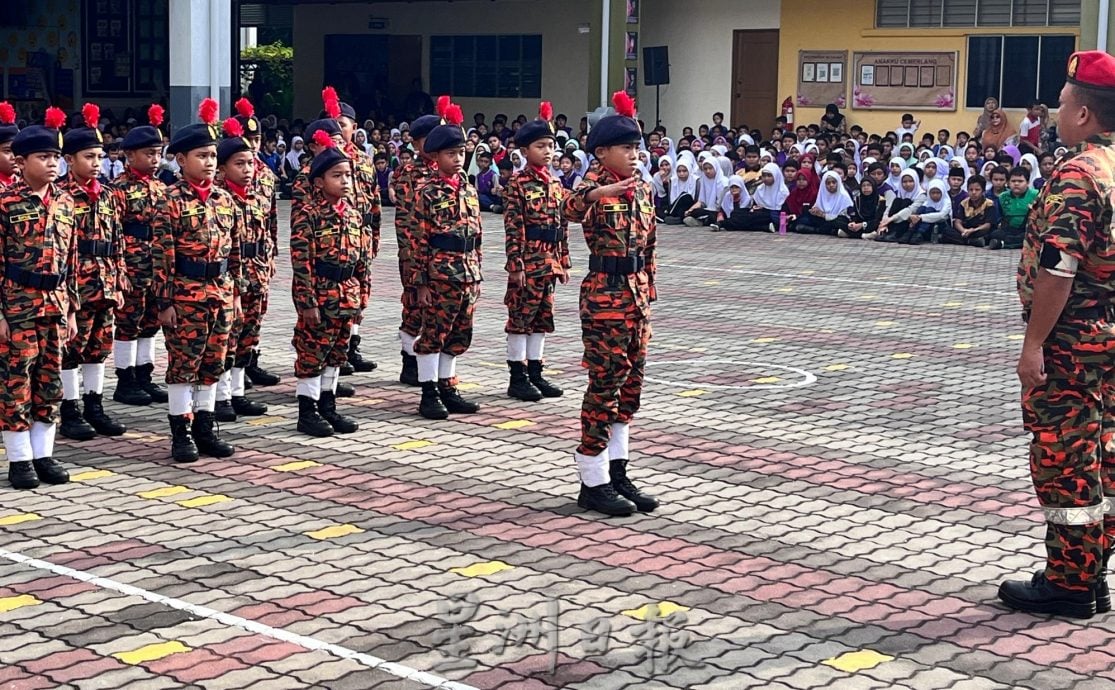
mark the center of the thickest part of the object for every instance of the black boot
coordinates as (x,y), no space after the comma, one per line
(431,406)
(409,375)
(143,380)
(310,420)
(1039,595)
(548,390)
(100,420)
(345,390)
(1103,592)
(224,412)
(356,359)
(346,369)
(50,471)
(73,426)
(244,405)
(257,374)
(127,390)
(21,475)
(327,407)
(182,448)
(453,400)
(207,436)
(617,470)
(604,499)
(520,387)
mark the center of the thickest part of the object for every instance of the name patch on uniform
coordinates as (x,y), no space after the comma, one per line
(448,203)
(107,211)
(645,208)
(224,211)
(81,210)
(24,217)
(531,196)
(614,208)
(191,211)
(137,194)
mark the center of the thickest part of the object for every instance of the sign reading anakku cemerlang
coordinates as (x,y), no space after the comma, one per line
(904,81)
(821,78)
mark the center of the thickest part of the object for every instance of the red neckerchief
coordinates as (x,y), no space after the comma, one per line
(138,175)
(6,180)
(202,190)
(454,182)
(240,192)
(339,207)
(93,189)
(630,194)
(542,172)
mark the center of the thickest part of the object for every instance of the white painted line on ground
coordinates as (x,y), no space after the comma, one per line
(425,678)
(807,378)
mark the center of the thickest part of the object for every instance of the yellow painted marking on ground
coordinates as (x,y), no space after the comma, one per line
(151,652)
(869,296)
(836,367)
(202,501)
(768,379)
(851,662)
(90,475)
(482,569)
(808,272)
(296,465)
(265,421)
(493,365)
(164,492)
(884,324)
(334,531)
(902,355)
(551,372)
(467,386)
(413,445)
(664,609)
(953,305)
(698,349)
(984,307)
(785,289)
(17,602)
(712,282)
(767,339)
(962,346)
(19,518)
(960,284)
(514,424)
(1016,336)
(693,393)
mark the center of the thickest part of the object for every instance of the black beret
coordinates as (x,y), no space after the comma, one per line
(82,138)
(325,124)
(614,130)
(229,147)
(192,137)
(8,132)
(37,139)
(533,131)
(346,111)
(444,137)
(144,137)
(325,160)
(421,128)
(251,125)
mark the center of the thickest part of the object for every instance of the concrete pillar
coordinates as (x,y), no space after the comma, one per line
(200,57)
(616,48)
(1090,28)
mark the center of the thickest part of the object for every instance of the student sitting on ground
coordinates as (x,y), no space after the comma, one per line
(733,207)
(896,222)
(682,190)
(829,215)
(932,217)
(569,178)
(487,184)
(1015,204)
(802,196)
(867,211)
(766,202)
(710,191)
(978,217)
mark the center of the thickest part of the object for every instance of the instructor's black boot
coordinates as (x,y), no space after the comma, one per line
(1039,595)
(73,426)
(409,375)
(1103,592)
(257,374)
(617,470)
(95,414)
(447,389)
(345,390)
(604,499)
(143,374)
(128,391)
(21,475)
(520,387)
(310,420)
(182,448)
(431,406)
(224,412)
(356,359)
(207,436)
(548,390)
(50,471)
(327,407)
(244,405)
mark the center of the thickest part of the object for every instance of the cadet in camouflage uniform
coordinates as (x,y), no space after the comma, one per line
(8,130)
(101,281)
(197,282)
(1066,280)
(38,299)
(616,210)
(537,257)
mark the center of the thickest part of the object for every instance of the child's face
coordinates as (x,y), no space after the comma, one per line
(975,191)
(942,137)
(405,157)
(710,172)
(931,169)
(39,168)
(493,143)
(790,174)
(336,182)
(831,184)
(566,165)
(381,165)
(665,167)
(895,169)
(620,159)
(971,154)
(866,188)
(717,119)
(878,176)
(683,173)
(752,160)
(199,165)
(86,165)
(998,181)
(735,191)
(1018,185)
(450,161)
(1046,166)
(935,194)
(907,123)
(955,183)
(7,158)
(1026,164)
(908,183)
(768,179)
(239,169)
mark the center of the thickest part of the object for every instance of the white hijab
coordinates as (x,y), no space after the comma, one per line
(644,172)
(941,174)
(1035,169)
(833,203)
(710,190)
(945,201)
(892,179)
(726,205)
(900,191)
(689,186)
(656,178)
(771,196)
(293,155)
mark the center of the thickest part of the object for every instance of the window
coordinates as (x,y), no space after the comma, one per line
(507,66)
(951,13)
(1017,69)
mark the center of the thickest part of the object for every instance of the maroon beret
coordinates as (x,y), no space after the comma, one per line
(1092,68)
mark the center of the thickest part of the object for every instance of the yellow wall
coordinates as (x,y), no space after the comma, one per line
(852,29)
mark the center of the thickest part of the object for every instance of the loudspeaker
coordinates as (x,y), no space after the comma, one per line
(656,65)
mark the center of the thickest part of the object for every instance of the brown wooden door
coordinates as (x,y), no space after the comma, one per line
(755,78)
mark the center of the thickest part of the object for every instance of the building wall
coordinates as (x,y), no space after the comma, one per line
(804,28)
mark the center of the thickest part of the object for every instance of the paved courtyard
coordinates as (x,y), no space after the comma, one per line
(832,425)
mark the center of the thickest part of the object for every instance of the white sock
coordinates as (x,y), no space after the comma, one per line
(311,387)
(427,367)
(17,446)
(408,342)
(237,382)
(593,469)
(618,444)
(180,398)
(93,375)
(205,397)
(224,386)
(446,366)
(329,378)
(536,343)
(70,385)
(145,351)
(516,347)
(42,439)
(355,330)
(124,353)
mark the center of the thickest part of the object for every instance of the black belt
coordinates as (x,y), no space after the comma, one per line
(454,243)
(334,272)
(1097,313)
(201,270)
(617,265)
(140,231)
(546,233)
(94,248)
(371,218)
(250,250)
(38,281)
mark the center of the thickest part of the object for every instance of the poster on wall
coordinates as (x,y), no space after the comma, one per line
(631,81)
(904,81)
(108,54)
(632,11)
(821,78)
(631,50)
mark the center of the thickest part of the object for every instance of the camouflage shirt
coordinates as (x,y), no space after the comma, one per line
(255,229)
(266,189)
(1070,228)
(405,183)
(330,234)
(97,220)
(534,199)
(445,208)
(37,237)
(139,197)
(365,192)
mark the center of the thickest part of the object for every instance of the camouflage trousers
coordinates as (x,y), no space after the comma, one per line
(245,331)
(615,355)
(1072,451)
(324,345)
(30,368)
(138,316)
(447,322)
(531,309)
(93,341)
(412,315)
(197,346)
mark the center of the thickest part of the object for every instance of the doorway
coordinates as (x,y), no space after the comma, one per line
(374,71)
(755,78)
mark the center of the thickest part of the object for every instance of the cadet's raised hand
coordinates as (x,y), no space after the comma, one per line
(617,189)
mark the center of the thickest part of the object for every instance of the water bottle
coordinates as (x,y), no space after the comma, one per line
(782,223)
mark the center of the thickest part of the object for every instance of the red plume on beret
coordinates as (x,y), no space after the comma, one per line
(54,118)
(7,114)
(91,113)
(454,115)
(321,138)
(155,114)
(232,128)
(625,105)
(207,111)
(443,103)
(332,102)
(244,108)
(546,111)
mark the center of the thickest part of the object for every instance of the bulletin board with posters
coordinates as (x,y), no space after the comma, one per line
(821,78)
(904,81)
(108,47)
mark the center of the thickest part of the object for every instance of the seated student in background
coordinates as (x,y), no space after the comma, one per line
(383,180)
(1033,169)
(568,176)
(978,217)
(660,183)
(896,221)
(957,192)
(1046,162)
(1015,205)
(802,196)
(829,214)
(487,183)
(932,217)
(766,201)
(710,190)
(998,179)
(867,211)
(682,190)
(733,207)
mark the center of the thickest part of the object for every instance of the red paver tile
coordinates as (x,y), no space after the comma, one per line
(50,662)
(85,670)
